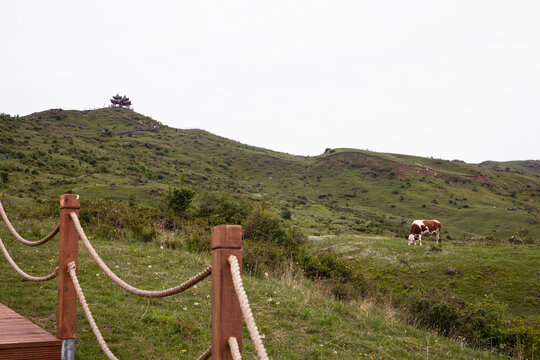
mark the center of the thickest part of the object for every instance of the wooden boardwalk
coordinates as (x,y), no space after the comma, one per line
(20,339)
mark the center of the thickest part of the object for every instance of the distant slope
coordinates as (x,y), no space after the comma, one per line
(529,167)
(120,153)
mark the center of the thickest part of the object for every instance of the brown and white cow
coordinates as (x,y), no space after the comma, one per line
(424,227)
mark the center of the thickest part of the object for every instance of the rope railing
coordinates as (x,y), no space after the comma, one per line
(125,286)
(21,272)
(206,355)
(246,309)
(95,329)
(235,350)
(20,238)
(71,267)
(227,313)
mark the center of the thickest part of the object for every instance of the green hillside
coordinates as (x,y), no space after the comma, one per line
(119,153)
(332,226)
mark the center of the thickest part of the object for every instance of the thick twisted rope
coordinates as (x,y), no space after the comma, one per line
(206,355)
(246,310)
(22,273)
(235,350)
(93,325)
(20,238)
(88,313)
(131,289)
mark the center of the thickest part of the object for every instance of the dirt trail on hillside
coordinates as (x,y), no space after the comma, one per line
(460,217)
(130,119)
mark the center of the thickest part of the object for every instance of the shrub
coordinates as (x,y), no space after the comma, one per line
(104,211)
(438,315)
(110,218)
(179,200)
(523,338)
(481,322)
(196,236)
(286,214)
(344,291)
(5,176)
(522,237)
(259,257)
(327,265)
(145,233)
(45,209)
(346,282)
(268,246)
(221,209)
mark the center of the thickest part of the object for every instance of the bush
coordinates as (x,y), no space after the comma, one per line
(346,281)
(103,211)
(196,237)
(480,323)
(327,265)
(483,322)
(286,214)
(5,176)
(45,209)
(145,233)
(110,218)
(179,200)
(268,246)
(344,291)
(523,339)
(259,257)
(221,209)
(522,237)
(438,315)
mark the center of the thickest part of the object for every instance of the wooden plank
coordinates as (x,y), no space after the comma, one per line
(21,339)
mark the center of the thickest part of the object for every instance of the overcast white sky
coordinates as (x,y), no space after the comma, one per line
(449,79)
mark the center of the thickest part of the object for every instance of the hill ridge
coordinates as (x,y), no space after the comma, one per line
(351,190)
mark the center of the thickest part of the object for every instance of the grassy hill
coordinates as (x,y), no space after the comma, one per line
(119,153)
(368,199)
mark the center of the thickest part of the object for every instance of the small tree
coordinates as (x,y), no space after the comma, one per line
(286,214)
(180,199)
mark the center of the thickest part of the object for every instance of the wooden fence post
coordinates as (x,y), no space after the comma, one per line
(67,296)
(226,312)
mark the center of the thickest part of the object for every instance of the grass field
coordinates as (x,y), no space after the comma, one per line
(489,256)
(297,319)
(463,269)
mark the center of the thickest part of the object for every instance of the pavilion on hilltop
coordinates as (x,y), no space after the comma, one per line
(120,101)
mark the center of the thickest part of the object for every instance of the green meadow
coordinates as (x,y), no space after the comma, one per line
(295,315)
(327,266)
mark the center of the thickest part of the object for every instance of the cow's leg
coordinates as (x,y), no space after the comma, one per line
(420,239)
(438,235)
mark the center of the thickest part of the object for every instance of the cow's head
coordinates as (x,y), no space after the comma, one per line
(411,239)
